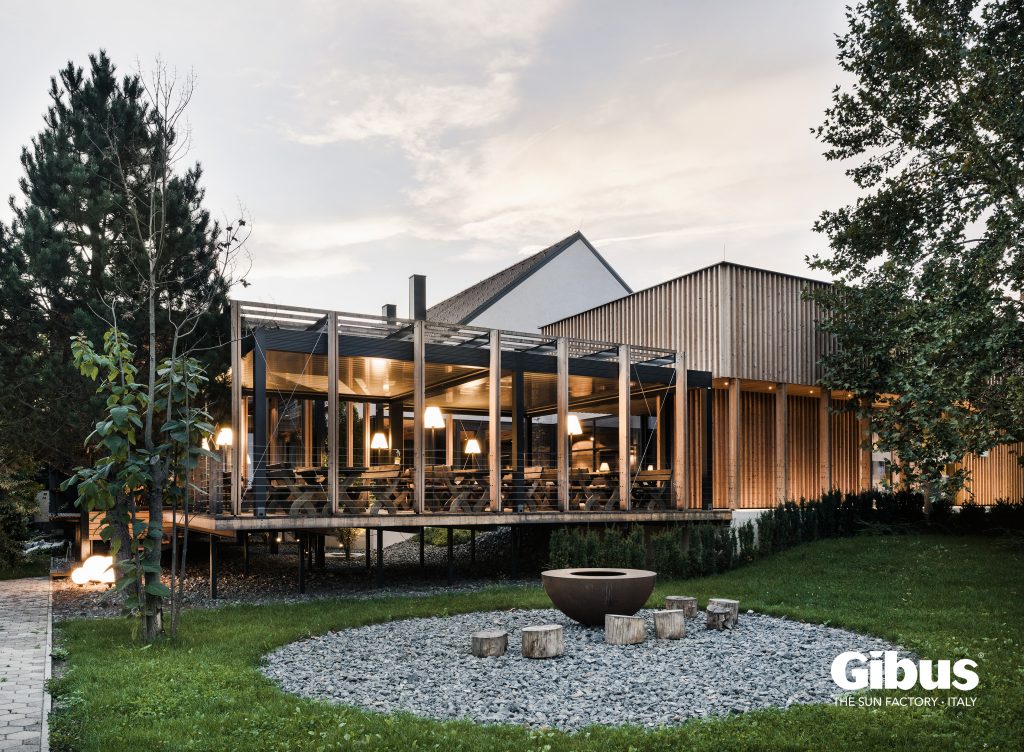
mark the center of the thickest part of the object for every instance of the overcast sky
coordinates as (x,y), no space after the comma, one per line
(374,140)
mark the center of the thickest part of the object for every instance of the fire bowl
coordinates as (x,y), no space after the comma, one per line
(586,594)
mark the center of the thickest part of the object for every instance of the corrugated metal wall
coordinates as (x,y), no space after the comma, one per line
(996,477)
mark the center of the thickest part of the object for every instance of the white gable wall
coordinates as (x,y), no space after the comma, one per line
(574,281)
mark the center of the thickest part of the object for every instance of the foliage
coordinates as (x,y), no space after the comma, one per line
(880,585)
(587,547)
(710,548)
(74,261)
(929,269)
(121,481)
(17,504)
(438,536)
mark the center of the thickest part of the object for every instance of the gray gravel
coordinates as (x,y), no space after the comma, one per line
(423,666)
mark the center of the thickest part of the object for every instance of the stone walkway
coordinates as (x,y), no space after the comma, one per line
(25,635)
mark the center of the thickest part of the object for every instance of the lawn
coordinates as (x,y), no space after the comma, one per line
(944,597)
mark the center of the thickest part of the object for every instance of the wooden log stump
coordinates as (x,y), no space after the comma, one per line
(544,641)
(624,630)
(488,643)
(718,617)
(670,624)
(684,603)
(733,606)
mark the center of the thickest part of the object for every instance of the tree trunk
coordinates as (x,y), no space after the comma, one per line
(489,643)
(545,641)
(685,603)
(624,630)
(731,605)
(670,625)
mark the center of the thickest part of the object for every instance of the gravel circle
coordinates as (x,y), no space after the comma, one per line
(424,667)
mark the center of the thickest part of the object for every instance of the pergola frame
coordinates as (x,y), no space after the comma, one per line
(258,329)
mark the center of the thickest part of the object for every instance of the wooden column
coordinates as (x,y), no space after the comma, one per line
(494,418)
(824,441)
(864,453)
(367,434)
(680,438)
(781,443)
(332,411)
(561,428)
(624,419)
(733,468)
(237,405)
(419,405)
(350,434)
(449,440)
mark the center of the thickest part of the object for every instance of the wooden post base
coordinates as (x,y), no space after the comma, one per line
(733,606)
(670,625)
(489,643)
(624,630)
(544,641)
(684,603)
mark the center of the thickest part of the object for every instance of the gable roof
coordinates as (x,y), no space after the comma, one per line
(465,306)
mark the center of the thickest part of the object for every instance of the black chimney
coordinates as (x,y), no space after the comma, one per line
(418,297)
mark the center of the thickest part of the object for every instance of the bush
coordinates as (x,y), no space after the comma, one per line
(17,503)
(615,547)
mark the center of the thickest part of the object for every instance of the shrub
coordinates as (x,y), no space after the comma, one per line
(17,501)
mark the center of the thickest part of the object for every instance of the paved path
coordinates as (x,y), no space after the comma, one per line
(25,635)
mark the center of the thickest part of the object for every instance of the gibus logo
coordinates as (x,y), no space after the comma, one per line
(889,671)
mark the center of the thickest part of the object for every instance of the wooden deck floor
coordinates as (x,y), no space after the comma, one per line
(229,525)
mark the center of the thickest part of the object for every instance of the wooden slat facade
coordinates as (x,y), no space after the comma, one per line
(999,476)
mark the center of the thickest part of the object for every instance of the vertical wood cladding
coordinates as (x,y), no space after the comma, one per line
(695,451)
(996,477)
(757,450)
(804,475)
(720,469)
(845,450)
(734,321)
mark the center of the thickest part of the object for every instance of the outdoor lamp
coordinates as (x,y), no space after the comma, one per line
(379,441)
(224,437)
(604,468)
(432,417)
(572,426)
(472,446)
(94,569)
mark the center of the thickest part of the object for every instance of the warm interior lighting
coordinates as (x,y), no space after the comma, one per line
(604,468)
(472,446)
(432,417)
(224,437)
(572,426)
(94,569)
(379,441)
(650,467)
(205,444)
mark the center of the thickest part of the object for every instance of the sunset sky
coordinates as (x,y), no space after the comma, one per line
(373,140)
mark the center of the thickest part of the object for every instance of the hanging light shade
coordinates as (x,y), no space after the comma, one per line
(432,417)
(472,446)
(604,468)
(379,441)
(573,427)
(224,437)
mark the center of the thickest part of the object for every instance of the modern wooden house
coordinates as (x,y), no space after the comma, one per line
(777,434)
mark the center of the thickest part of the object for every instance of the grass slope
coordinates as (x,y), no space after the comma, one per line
(943,597)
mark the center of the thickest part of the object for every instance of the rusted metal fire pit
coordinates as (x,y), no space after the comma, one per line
(587,594)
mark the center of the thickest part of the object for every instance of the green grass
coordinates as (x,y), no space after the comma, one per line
(943,597)
(34,567)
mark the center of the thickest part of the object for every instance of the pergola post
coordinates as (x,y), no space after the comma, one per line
(494,418)
(561,428)
(781,442)
(825,441)
(733,469)
(332,411)
(236,408)
(680,438)
(419,405)
(259,428)
(707,481)
(350,433)
(624,420)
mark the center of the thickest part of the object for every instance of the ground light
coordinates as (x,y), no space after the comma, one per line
(94,569)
